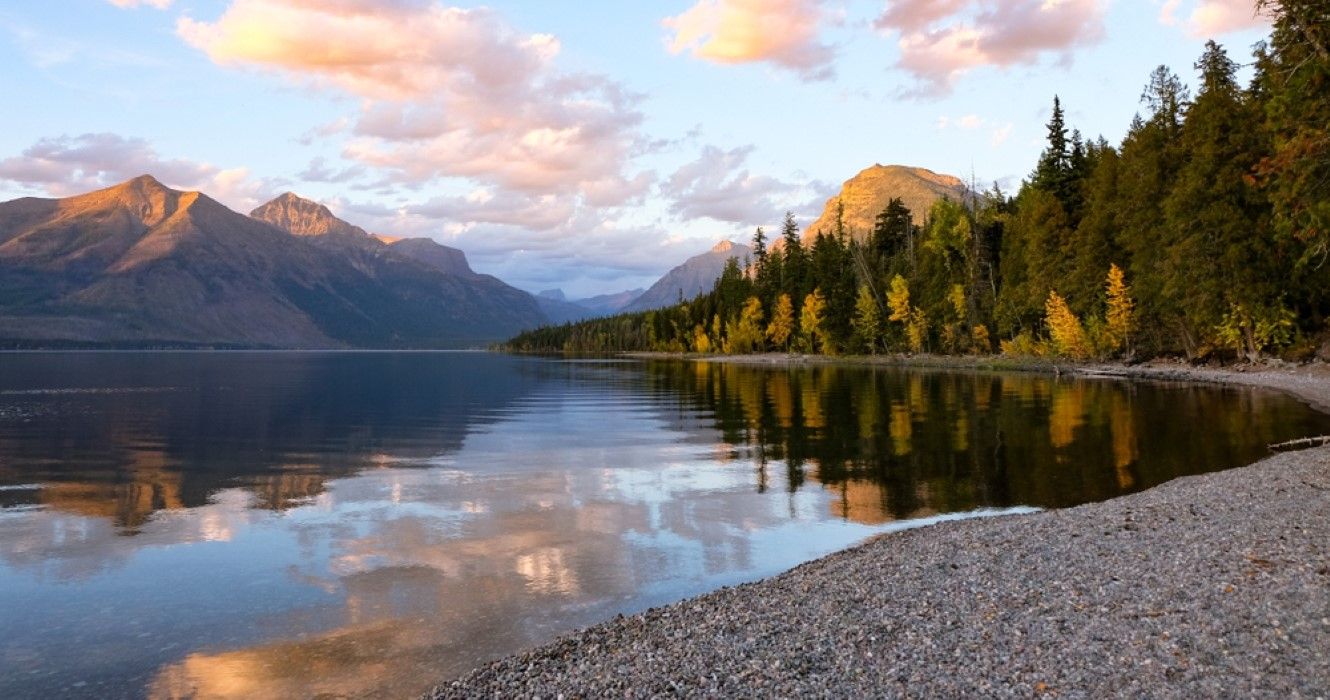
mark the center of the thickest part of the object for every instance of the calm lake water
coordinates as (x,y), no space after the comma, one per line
(289,525)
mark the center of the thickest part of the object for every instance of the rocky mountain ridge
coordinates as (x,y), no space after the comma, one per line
(140,264)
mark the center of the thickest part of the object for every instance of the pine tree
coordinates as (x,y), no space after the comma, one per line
(794,263)
(1054,172)
(1094,243)
(892,229)
(1294,82)
(759,247)
(1216,255)
(1151,154)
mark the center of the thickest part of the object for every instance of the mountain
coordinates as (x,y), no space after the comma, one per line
(140,264)
(438,256)
(609,304)
(481,306)
(560,309)
(865,196)
(695,276)
(314,222)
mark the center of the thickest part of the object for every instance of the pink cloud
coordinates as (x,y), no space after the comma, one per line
(781,32)
(68,165)
(917,15)
(506,208)
(445,92)
(941,40)
(1212,18)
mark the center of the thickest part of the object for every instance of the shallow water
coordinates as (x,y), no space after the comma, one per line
(365,524)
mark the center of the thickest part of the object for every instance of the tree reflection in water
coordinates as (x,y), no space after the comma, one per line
(295,524)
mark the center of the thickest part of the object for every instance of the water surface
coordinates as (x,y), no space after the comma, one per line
(365,524)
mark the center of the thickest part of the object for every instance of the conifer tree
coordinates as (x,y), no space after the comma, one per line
(1065,330)
(867,321)
(745,334)
(1218,253)
(898,300)
(781,326)
(1120,318)
(1294,83)
(701,343)
(812,335)
(1151,154)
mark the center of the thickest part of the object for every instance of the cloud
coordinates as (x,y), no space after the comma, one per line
(718,186)
(506,208)
(1002,133)
(445,92)
(159,4)
(318,170)
(917,15)
(68,165)
(941,40)
(1211,18)
(968,122)
(780,32)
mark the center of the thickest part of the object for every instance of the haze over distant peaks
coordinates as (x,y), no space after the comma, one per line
(695,276)
(865,195)
(561,309)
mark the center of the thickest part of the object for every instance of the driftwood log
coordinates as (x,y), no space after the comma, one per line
(1301,443)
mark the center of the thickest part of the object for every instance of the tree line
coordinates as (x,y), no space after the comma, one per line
(1205,232)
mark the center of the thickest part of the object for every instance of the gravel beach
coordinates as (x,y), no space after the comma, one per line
(1209,586)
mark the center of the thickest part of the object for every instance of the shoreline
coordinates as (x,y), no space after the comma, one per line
(1309,382)
(1211,585)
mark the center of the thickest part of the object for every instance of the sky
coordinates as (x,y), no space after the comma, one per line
(586,145)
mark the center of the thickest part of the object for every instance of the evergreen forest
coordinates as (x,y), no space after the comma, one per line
(1204,234)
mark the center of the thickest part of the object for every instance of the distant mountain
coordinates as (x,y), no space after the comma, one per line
(560,309)
(865,196)
(695,276)
(140,264)
(610,304)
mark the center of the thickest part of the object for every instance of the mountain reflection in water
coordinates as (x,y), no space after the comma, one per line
(356,524)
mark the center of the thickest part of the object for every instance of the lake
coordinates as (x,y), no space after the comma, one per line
(367,524)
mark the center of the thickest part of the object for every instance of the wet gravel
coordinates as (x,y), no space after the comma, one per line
(1208,586)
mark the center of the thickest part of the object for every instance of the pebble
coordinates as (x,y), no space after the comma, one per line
(1221,589)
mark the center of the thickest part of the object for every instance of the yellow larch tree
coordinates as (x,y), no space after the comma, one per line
(1120,318)
(810,321)
(781,326)
(1065,330)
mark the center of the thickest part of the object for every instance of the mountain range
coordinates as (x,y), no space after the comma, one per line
(140,264)
(143,265)
(561,309)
